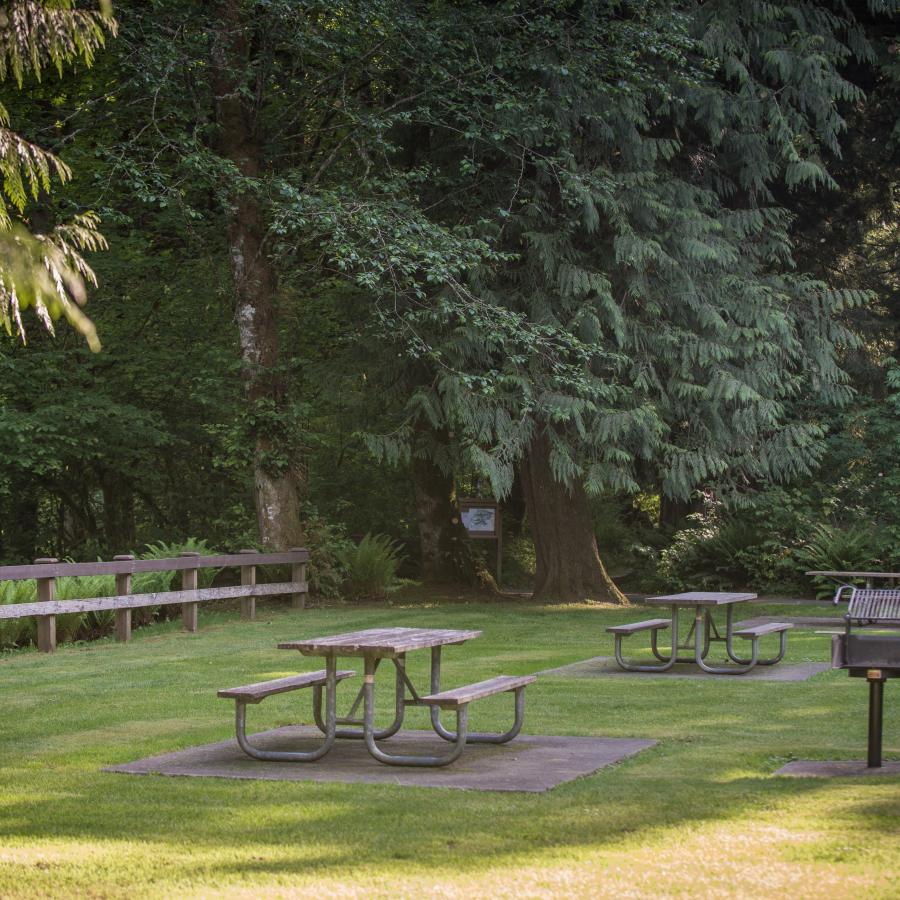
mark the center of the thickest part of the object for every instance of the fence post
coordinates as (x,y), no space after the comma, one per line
(189,583)
(298,573)
(46,625)
(248,577)
(123,588)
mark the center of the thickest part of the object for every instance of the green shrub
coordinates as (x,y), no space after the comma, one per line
(519,561)
(832,548)
(73,626)
(713,554)
(326,543)
(371,567)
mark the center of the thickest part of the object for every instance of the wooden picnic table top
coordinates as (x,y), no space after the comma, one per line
(379,641)
(698,598)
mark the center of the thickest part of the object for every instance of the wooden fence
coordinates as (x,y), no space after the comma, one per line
(47,608)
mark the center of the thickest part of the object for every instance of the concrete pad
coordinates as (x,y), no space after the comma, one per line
(530,763)
(606,666)
(818,768)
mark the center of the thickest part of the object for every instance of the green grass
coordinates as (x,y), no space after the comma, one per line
(698,815)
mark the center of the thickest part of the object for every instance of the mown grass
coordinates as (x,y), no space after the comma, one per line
(698,815)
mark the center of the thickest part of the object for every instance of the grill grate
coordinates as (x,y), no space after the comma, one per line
(869,606)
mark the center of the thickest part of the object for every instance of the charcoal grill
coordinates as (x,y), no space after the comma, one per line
(873,654)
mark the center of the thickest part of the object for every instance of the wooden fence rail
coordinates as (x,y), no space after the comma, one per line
(47,608)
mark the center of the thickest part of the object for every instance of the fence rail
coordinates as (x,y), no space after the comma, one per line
(46,571)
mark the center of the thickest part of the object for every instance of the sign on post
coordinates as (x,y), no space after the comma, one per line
(481,519)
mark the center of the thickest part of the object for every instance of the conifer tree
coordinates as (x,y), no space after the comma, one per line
(44,271)
(635,151)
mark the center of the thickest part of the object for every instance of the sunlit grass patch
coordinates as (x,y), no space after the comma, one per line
(700,814)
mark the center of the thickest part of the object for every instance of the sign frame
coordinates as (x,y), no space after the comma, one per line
(467,504)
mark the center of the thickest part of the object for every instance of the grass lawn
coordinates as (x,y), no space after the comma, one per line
(698,815)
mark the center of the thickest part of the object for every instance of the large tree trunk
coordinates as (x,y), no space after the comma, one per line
(276,491)
(569,568)
(441,533)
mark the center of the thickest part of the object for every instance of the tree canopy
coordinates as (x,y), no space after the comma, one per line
(588,256)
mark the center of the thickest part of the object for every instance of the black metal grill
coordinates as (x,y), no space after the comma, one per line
(873,655)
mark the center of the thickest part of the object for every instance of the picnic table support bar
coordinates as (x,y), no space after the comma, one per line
(391,759)
(383,734)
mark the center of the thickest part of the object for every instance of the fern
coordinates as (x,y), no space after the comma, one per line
(371,567)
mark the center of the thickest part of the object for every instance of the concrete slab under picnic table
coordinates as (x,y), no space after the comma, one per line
(530,763)
(831,768)
(606,666)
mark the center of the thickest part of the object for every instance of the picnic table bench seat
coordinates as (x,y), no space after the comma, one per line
(456,697)
(257,692)
(459,698)
(756,631)
(634,627)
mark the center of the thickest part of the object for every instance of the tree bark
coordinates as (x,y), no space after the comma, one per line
(569,568)
(20,521)
(442,536)
(118,513)
(277,489)
(673,513)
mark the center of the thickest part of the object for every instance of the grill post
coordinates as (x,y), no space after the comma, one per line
(876,710)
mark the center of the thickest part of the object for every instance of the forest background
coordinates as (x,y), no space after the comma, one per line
(631,268)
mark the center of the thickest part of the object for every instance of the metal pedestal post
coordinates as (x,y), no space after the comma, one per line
(876,712)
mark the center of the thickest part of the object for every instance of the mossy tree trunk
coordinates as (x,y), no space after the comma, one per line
(238,101)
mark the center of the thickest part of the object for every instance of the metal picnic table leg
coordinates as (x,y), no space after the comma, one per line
(478,737)
(396,759)
(383,734)
(722,670)
(667,664)
(295,755)
(690,644)
(729,643)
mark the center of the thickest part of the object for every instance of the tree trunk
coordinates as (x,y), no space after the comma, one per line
(441,533)
(569,568)
(277,488)
(20,521)
(673,513)
(118,513)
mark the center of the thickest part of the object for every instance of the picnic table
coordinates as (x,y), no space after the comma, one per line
(870,577)
(373,646)
(702,633)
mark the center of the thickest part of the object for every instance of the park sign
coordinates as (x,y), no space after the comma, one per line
(481,519)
